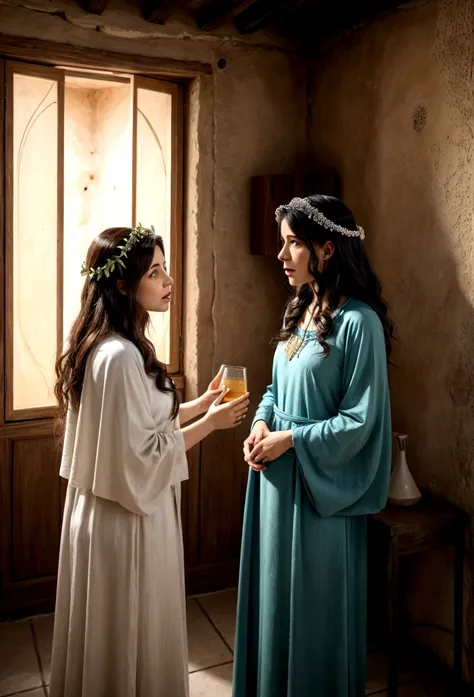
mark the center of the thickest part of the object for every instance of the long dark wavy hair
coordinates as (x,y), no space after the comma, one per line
(347,273)
(104,311)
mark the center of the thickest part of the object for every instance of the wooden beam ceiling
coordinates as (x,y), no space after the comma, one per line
(216,13)
(159,11)
(95,7)
(304,21)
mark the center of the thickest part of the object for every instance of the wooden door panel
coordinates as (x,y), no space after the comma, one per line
(223,482)
(190,508)
(5,513)
(36,508)
(2,246)
(30,507)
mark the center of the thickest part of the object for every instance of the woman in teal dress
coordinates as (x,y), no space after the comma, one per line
(319,455)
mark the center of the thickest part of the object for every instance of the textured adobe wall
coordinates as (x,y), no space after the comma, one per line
(392,108)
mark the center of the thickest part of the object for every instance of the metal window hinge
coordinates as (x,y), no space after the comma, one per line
(4,90)
(180,345)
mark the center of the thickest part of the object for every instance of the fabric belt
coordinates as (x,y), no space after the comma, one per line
(293,419)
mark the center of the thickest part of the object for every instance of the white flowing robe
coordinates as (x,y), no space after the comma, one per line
(120,625)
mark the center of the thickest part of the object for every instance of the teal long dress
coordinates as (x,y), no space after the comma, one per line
(301,618)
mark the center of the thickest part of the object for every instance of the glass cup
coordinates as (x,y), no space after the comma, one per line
(234,378)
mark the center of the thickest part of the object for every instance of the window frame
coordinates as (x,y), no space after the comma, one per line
(13,68)
(176,261)
(41,69)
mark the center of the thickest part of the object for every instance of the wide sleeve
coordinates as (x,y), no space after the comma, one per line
(136,460)
(345,460)
(265,408)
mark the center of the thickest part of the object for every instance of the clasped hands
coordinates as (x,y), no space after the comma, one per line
(264,446)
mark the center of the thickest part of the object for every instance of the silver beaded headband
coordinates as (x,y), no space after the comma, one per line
(304,205)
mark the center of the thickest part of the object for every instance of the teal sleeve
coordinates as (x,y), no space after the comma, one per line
(265,408)
(345,460)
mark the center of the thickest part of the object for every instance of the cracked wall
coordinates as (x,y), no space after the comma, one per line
(393,110)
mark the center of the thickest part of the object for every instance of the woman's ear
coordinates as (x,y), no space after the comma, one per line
(324,252)
(328,250)
(121,287)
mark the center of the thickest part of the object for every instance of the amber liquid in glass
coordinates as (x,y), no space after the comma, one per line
(237,388)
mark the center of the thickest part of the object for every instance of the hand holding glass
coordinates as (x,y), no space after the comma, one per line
(234,378)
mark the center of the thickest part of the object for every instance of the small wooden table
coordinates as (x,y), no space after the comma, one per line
(431,524)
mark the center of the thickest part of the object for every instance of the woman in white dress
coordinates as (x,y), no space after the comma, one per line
(120,625)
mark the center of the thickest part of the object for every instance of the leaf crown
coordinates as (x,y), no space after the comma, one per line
(117,260)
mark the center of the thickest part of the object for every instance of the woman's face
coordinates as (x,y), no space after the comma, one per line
(155,288)
(295,256)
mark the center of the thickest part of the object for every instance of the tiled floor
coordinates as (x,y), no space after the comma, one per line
(25,655)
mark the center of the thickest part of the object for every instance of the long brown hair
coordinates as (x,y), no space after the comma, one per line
(104,311)
(348,272)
